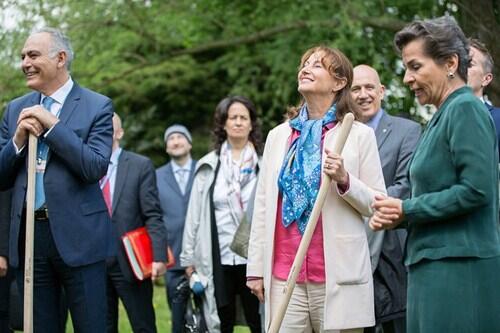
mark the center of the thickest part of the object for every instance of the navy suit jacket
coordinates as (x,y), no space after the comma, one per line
(174,206)
(80,147)
(495,114)
(4,223)
(136,204)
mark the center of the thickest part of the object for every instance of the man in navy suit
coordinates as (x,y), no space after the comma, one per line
(175,180)
(396,141)
(132,197)
(480,75)
(73,233)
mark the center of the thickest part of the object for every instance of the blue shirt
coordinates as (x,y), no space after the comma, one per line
(373,123)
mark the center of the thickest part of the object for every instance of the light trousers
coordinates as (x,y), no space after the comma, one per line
(305,310)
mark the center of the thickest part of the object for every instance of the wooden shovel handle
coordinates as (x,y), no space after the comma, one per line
(30,229)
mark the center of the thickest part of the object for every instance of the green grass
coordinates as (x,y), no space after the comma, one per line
(163,321)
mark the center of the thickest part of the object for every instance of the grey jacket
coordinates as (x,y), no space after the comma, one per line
(174,206)
(396,141)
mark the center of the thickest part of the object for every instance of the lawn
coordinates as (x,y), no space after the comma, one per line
(163,322)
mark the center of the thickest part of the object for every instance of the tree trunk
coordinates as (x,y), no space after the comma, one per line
(480,19)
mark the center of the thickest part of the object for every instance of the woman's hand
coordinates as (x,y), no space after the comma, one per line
(388,213)
(257,288)
(334,168)
(189,271)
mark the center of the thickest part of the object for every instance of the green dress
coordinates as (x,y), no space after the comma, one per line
(453,247)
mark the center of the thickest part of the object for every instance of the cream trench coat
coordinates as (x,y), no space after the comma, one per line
(196,241)
(349,299)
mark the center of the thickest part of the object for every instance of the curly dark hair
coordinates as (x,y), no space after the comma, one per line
(442,38)
(220,117)
(339,67)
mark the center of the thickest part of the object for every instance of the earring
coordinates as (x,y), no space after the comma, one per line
(451,75)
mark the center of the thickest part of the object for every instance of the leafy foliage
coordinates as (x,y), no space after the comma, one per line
(164,62)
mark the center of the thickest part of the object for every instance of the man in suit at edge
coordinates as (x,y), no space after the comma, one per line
(129,189)
(480,75)
(5,274)
(72,227)
(175,180)
(396,141)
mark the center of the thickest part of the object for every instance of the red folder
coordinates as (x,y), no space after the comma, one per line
(139,252)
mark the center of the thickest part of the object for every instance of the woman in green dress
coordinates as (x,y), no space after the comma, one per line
(453,247)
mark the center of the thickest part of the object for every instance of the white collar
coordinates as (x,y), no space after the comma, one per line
(115,155)
(62,93)
(187,166)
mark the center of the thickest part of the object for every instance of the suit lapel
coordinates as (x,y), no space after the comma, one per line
(121,176)
(383,130)
(35,99)
(171,181)
(70,103)
(489,106)
(68,107)
(191,178)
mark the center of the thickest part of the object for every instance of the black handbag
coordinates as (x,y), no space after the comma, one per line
(194,318)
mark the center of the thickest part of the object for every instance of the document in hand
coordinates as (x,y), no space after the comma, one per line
(139,252)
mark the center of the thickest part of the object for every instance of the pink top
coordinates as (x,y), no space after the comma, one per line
(286,244)
(287,240)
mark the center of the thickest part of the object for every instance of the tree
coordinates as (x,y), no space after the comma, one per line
(172,61)
(481,19)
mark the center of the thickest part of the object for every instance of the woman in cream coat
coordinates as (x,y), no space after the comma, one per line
(343,300)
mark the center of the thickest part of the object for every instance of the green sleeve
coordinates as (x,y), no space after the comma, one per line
(472,145)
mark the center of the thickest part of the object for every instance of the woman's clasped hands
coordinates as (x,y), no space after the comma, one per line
(388,213)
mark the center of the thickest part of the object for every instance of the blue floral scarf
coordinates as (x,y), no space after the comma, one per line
(300,174)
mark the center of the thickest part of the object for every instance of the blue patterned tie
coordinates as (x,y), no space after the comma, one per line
(41,157)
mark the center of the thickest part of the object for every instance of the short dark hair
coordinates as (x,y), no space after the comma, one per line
(339,67)
(442,39)
(220,117)
(488,63)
